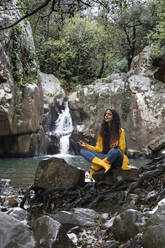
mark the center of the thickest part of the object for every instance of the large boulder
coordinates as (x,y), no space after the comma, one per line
(137,96)
(77,217)
(14,234)
(50,233)
(55,172)
(128,224)
(154,234)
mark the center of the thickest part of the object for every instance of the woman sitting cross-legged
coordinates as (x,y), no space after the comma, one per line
(110,149)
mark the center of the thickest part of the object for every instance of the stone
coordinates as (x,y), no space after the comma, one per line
(127,224)
(55,172)
(154,233)
(18,213)
(50,233)
(14,234)
(157,144)
(115,175)
(77,217)
(154,236)
(132,153)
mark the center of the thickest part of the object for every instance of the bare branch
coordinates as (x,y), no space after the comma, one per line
(27,15)
(87,4)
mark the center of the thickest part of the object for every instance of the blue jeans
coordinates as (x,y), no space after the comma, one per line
(114,156)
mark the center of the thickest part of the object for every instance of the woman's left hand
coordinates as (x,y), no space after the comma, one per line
(82,144)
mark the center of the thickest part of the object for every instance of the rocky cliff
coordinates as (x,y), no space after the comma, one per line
(137,95)
(21,101)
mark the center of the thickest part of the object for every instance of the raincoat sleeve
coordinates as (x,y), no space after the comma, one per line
(99,145)
(122,147)
(122,141)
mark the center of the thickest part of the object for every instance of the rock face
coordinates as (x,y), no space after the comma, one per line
(21,100)
(137,96)
(55,172)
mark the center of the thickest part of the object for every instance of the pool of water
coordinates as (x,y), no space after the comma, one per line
(21,171)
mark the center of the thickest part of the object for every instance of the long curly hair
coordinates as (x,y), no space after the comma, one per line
(112,133)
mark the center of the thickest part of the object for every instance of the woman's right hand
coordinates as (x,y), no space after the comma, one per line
(82,144)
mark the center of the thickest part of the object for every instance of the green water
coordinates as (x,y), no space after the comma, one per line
(21,171)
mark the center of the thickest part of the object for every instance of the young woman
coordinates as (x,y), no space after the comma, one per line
(110,149)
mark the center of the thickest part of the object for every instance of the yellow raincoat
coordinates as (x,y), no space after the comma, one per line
(99,148)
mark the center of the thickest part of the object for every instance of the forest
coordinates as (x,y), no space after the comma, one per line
(80,41)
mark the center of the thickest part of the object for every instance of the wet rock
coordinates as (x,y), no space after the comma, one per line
(55,172)
(154,234)
(132,153)
(75,230)
(109,223)
(18,213)
(14,234)
(127,224)
(50,233)
(157,144)
(78,217)
(151,196)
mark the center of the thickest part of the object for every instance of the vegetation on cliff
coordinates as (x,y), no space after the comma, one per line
(80,41)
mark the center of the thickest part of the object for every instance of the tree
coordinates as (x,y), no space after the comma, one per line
(156,37)
(46,7)
(131,25)
(76,58)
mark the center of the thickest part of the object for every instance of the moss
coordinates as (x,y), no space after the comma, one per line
(21,62)
(92,105)
(156,51)
(125,106)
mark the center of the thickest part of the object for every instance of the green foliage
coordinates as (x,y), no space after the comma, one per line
(76,57)
(132,24)
(87,47)
(156,38)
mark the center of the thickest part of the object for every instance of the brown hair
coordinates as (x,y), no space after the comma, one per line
(109,134)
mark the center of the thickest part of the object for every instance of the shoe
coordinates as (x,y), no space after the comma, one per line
(102,163)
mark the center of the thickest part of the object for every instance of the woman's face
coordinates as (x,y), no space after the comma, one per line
(108,116)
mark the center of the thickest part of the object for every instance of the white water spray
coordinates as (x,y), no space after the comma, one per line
(64,129)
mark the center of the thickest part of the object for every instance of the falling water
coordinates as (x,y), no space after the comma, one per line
(5,190)
(64,129)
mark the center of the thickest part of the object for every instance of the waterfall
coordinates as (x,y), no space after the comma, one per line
(63,129)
